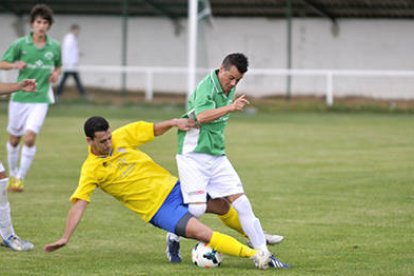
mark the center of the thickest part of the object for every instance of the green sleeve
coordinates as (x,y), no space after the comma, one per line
(12,54)
(204,99)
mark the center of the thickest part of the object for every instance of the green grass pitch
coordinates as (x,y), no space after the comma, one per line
(339,186)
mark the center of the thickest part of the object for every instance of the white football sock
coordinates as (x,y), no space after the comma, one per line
(12,158)
(28,154)
(172,236)
(250,224)
(6,227)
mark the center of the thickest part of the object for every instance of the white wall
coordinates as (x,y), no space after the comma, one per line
(360,44)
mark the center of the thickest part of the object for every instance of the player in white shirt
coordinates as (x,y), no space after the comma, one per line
(70,58)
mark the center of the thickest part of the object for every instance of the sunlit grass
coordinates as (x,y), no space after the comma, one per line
(339,186)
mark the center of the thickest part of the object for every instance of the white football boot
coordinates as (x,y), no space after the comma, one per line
(273,239)
(15,243)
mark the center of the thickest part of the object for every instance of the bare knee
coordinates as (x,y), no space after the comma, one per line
(30,138)
(14,140)
(218,206)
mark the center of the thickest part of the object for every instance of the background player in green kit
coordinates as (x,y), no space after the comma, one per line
(203,167)
(36,56)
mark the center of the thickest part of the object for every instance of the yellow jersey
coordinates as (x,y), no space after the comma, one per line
(127,174)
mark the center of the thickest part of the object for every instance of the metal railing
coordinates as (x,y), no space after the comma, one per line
(328,75)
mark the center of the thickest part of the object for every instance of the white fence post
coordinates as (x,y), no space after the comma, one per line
(329,89)
(149,89)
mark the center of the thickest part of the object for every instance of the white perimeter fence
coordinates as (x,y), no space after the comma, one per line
(152,79)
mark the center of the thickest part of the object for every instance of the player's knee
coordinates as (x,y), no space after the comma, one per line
(14,141)
(197,209)
(30,139)
(218,206)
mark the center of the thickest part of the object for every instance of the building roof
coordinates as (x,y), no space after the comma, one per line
(333,9)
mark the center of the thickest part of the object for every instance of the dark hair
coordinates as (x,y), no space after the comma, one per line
(42,11)
(75,27)
(237,59)
(94,124)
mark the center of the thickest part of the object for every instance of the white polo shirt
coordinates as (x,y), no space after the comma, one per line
(70,52)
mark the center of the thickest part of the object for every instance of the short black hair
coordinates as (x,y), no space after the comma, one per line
(237,59)
(75,27)
(94,124)
(43,11)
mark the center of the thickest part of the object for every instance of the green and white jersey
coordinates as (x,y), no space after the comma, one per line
(40,63)
(209,137)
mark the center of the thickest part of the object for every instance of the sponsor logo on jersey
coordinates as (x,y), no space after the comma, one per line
(39,65)
(49,55)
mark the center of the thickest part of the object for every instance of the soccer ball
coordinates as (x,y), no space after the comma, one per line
(205,256)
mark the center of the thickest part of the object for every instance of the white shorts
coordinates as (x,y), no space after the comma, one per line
(1,167)
(26,116)
(201,174)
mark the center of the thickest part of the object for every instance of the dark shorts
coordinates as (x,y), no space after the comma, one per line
(173,214)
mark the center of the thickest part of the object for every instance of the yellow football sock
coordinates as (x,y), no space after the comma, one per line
(230,246)
(231,219)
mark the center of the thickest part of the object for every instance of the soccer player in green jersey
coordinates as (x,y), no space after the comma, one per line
(36,56)
(7,234)
(115,165)
(203,166)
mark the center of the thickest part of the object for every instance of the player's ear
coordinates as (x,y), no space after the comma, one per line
(89,140)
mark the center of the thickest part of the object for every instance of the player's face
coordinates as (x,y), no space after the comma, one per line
(76,32)
(40,26)
(101,144)
(229,78)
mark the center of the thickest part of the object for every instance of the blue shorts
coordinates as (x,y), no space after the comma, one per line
(171,212)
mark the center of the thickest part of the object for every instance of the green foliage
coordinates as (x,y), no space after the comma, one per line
(339,186)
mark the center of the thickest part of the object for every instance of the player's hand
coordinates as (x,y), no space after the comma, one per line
(54,77)
(239,103)
(55,246)
(19,65)
(185,124)
(28,85)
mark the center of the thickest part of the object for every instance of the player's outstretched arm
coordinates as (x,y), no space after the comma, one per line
(74,217)
(27,85)
(182,124)
(213,114)
(18,65)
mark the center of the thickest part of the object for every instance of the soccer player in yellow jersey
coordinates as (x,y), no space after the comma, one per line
(116,166)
